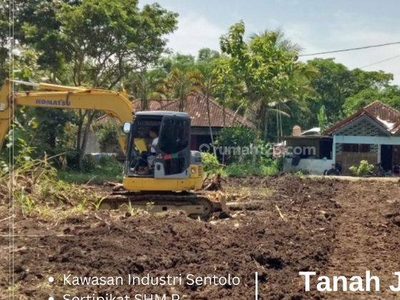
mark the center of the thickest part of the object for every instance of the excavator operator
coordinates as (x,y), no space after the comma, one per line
(146,161)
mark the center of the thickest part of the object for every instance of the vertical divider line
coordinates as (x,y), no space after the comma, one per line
(256,286)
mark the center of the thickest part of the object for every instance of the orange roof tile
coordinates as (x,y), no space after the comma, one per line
(196,107)
(384,115)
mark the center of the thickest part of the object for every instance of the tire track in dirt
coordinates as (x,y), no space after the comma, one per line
(366,239)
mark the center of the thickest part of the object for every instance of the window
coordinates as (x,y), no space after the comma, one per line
(142,126)
(175,135)
(356,147)
(174,142)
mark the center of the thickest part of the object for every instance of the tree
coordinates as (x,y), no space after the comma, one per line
(49,130)
(52,48)
(4,40)
(263,67)
(207,55)
(95,43)
(146,85)
(335,83)
(362,80)
(183,78)
(231,138)
(389,95)
(332,85)
(45,126)
(111,38)
(206,62)
(108,40)
(322,120)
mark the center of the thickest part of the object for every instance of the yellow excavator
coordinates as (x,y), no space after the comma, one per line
(175,172)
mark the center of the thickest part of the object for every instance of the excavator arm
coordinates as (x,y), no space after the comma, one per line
(112,103)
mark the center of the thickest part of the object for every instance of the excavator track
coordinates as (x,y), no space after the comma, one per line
(194,204)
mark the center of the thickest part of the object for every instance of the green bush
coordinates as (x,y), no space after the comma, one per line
(271,170)
(107,135)
(104,169)
(363,169)
(300,172)
(268,168)
(89,163)
(242,170)
(109,165)
(210,163)
(234,138)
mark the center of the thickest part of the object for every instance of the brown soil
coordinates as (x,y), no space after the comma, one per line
(278,227)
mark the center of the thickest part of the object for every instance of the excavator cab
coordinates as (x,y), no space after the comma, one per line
(172,151)
(173,158)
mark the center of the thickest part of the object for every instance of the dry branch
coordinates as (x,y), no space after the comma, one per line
(280,213)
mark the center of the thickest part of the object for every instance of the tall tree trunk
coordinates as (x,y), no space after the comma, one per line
(181,104)
(84,139)
(261,128)
(265,118)
(260,121)
(224,124)
(81,119)
(209,123)
(145,104)
(280,127)
(224,114)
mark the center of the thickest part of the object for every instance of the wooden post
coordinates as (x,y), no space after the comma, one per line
(334,149)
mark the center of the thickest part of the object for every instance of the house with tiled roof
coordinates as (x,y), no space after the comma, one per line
(197,106)
(372,134)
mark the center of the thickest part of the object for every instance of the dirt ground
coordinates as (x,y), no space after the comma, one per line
(277,228)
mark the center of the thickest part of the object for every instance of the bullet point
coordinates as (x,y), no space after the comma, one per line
(51,298)
(51,279)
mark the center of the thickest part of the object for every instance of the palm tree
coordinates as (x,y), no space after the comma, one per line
(180,83)
(146,85)
(298,74)
(207,83)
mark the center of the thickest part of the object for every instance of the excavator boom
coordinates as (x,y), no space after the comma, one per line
(112,103)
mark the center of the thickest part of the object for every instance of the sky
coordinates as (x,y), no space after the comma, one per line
(315,25)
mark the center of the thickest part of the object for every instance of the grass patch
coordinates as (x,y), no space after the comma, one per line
(248,169)
(37,190)
(249,192)
(106,169)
